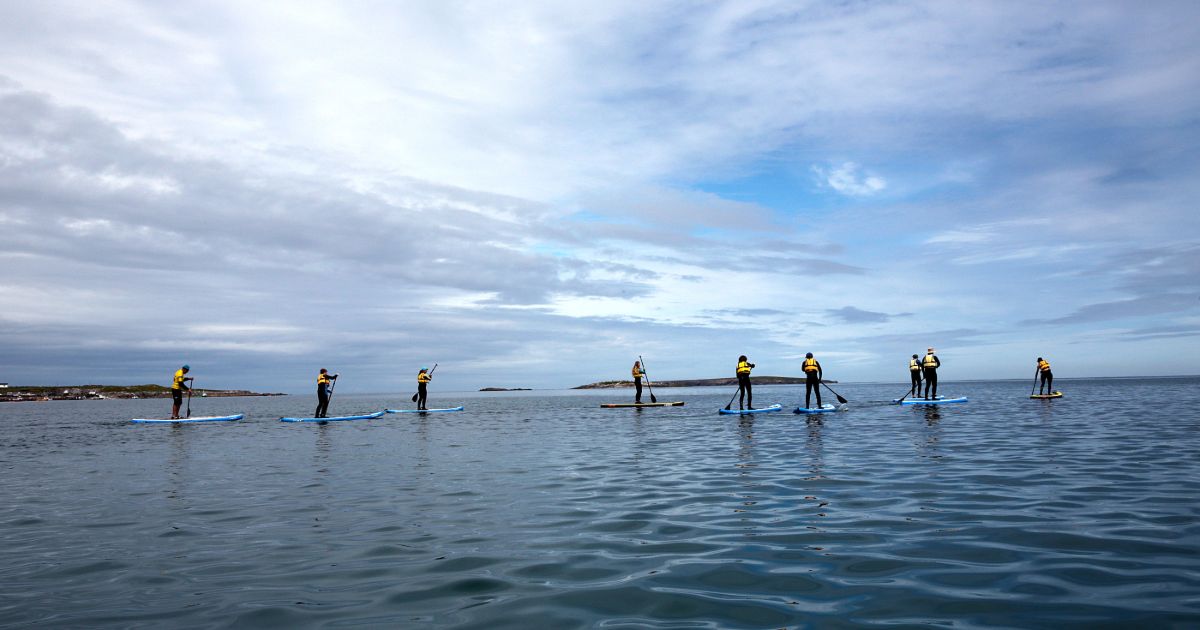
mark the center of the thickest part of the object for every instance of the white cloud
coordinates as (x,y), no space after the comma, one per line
(850,179)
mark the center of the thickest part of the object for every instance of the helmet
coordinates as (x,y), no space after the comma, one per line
(187,367)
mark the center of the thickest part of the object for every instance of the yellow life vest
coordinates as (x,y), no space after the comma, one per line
(1043,366)
(913,366)
(179,379)
(810,365)
(424,377)
(638,372)
(322,379)
(743,367)
(930,361)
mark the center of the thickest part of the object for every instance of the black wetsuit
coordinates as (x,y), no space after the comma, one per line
(322,400)
(637,382)
(931,377)
(916,380)
(422,394)
(812,381)
(744,391)
(1047,381)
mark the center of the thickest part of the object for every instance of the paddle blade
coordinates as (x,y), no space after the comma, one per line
(414,398)
(841,400)
(653,398)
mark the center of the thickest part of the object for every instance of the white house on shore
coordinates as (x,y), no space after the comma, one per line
(3,385)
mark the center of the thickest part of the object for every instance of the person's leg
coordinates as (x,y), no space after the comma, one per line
(816,384)
(749,394)
(916,383)
(176,402)
(932,378)
(742,392)
(637,382)
(1049,382)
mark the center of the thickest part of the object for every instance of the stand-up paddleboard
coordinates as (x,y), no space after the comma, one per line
(365,416)
(1050,395)
(458,408)
(237,416)
(938,397)
(825,408)
(936,401)
(678,403)
(742,412)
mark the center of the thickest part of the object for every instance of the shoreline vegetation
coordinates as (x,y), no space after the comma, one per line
(702,382)
(505,389)
(34,393)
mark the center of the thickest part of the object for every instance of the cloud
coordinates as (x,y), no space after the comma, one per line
(849,179)
(852,315)
(267,187)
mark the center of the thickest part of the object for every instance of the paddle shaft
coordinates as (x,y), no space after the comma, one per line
(189,404)
(839,396)
(643,361)
(1035,380)
(730,404)
(414,398)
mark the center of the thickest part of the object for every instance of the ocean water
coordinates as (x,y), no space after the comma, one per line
(541,510)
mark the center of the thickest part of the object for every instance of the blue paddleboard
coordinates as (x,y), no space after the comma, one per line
(366,416)
(183,420)
(742,412)
(937,401)
(825,408)
(458,408)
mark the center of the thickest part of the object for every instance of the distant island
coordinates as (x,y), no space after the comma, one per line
(702,382)
(28,393)
(505,389)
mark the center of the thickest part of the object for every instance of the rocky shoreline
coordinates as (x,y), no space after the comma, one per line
(38,393)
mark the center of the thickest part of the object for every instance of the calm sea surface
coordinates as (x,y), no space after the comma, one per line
(541,510)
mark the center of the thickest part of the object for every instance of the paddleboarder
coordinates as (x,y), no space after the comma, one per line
(743,378)
(423,378)
(324,382)
(1047,377)
(914,371)
(929,365)
(812,379)
(178,386)
(638,373)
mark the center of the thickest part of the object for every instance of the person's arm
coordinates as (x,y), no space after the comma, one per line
(937,361)
(820,372)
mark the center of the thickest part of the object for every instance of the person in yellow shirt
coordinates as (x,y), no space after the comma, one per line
(423,378)
(812,379)
(324,387)
(1047,377)
(638,373)
(743,378)
(179,385)
(914,371)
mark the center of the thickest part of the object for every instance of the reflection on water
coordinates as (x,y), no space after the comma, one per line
(546,511)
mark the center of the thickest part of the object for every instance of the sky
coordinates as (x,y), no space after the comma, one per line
(533,194)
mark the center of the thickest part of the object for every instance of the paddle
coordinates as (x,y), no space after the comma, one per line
(652,398)
(1035,376)
(732,397)
(329,396)
(189,407)
(839,396)
(906,393)
(414,398)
